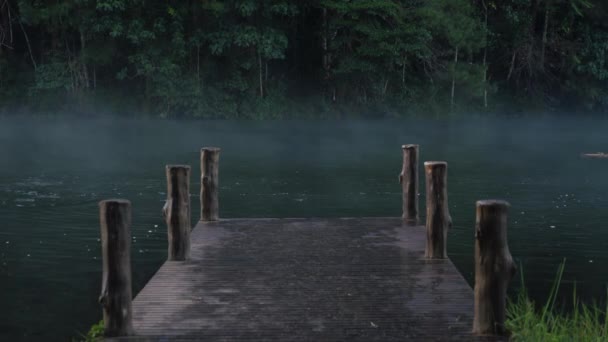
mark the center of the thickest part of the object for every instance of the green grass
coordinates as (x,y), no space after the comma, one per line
(527,322)
(94,334)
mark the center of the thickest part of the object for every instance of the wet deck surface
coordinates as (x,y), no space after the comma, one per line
(361,279)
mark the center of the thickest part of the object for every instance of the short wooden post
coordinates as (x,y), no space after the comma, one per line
(494,267)
(438,219)
(210,160)
(409,183)
(177,212)
(115,298)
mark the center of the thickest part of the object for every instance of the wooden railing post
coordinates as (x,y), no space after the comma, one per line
(115,298)
(438,219)
(494,267)
(177,212)
(409,183)
(210,159)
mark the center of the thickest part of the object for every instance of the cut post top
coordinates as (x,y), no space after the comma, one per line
(409,146)
(435,164)
(211,149)
(178,167)
(493,203)
(115,200)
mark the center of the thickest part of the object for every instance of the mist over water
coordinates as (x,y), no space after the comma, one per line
(53,174)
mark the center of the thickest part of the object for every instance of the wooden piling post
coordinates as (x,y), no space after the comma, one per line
(210,159)
(494,267)
(409,183)
(115,298)
(177,212)
(438,219)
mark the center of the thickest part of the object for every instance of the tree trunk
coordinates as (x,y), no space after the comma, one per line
(403,74)
(409,183)
(115,298)
(210,160)
(454,79)
(544,41)
(325,44)
(485,56)
(438,219)
(494,267)
(261,70)
(177,212)
(83,61)
(329,88)
(147,95)
(512,65)
(532,42)
(198,66)
(385,88)
(27,42)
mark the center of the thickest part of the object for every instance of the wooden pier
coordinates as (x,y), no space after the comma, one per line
(307,279)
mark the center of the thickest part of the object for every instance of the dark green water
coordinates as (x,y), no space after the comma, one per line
(53,174)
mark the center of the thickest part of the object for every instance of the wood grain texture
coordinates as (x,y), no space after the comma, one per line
(363,279)
(210,162)
(409,183)
(116,295)
(494,267)
(438,219)
(177,212)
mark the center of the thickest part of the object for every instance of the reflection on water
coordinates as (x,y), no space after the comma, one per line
(54,173)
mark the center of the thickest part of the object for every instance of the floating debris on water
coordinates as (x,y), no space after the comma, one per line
(552,227)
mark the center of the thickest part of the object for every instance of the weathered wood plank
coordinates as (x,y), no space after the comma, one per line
(363,279)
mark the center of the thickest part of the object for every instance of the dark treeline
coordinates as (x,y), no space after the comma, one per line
(285,58)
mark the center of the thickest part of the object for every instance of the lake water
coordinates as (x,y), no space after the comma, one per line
(53,173)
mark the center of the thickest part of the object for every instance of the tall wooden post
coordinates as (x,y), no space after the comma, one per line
(210,160)
(409,183)
(177,212)
(115,298)
(438,219)
(494,267)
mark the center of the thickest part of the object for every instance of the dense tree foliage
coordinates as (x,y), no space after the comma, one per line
(283,58)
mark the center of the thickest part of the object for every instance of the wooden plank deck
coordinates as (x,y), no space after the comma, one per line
(354,279)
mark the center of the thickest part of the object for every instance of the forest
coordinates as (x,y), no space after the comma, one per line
(268,59)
